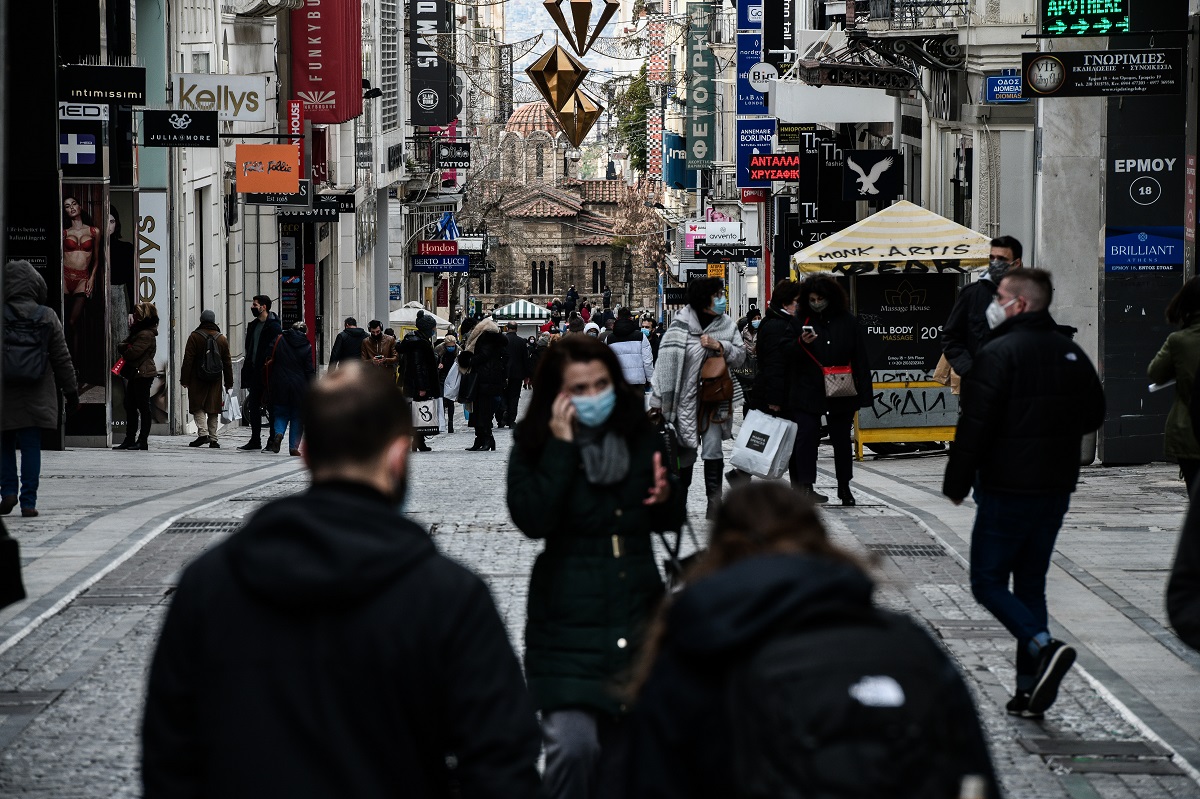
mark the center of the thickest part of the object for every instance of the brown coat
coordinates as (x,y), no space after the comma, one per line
(204,395)
(386,348)
(138,351)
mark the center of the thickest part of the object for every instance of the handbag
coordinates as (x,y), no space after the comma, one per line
(12,590)
(676,568)
(118,367)
(839,380)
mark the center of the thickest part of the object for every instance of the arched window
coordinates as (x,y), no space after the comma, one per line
(595,276)
(540,160)
(550,279)
(533,280)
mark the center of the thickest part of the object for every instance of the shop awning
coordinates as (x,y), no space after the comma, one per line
(521,309)
(407,316)
(901,238)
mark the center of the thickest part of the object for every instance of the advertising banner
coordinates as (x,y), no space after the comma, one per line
(82,152)
(504,102)
(701,89)
(153,282)
(722,232)
(179,128)
(1143,249)
(1103,73)
(295,126)
(749,51)
(89,83)
(779,33)
(676,175)
(693,229)
(430,75)
(750,15)
(85,289)
(267,168)
(235,98)
(872,175)
(753,138)
(902,317)
(327,60)
(454,155)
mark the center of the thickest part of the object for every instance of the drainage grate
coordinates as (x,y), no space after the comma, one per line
(907,550)
(1102,757)
(196,526)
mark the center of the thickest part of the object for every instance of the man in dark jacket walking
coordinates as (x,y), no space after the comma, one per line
(966,330)
(518,373)
(328,649)
(1031,396)
(419,367)
(260,336)
(348,344)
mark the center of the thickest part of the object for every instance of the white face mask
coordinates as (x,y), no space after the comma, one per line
(996,313)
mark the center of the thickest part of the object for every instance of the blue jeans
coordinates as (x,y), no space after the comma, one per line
(1014,536)
(283,415)
(29,441)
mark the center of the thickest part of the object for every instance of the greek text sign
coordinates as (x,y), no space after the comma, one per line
(753,138)
(1085,17)
(1103,73)
(701,90)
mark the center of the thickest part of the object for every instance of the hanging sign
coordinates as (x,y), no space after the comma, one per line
(750,99)
(325,208)
(453,263)
(437,247)
(1103,73)
(1067,18)
(750,15)
(753,138)
(775,166)
(235,98)
(179,128)
(87,83)
(454,155)
(724,253)
(701,89)
(873,175)
(779,33)
(429,73)
(268,168)
(298,198)
(327,60)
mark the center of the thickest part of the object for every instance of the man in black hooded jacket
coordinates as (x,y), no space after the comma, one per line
(328,649)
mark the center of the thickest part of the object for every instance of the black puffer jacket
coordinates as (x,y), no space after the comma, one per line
(778,336)
(1029,399)
(291,370)
(840,342)
(966,329)
(419,366)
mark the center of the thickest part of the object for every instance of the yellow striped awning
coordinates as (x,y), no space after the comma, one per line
(901,238)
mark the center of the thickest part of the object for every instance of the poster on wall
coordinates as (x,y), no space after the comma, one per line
(902,317)
(85,255)
(154,286)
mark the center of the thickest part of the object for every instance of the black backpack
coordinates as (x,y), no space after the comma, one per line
(854,705)
(210,367)
(26,347)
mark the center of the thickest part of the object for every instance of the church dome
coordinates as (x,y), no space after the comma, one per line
(532,117)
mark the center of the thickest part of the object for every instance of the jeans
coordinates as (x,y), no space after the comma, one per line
(587,755)
(1014,536)
(283,415)
(29,441)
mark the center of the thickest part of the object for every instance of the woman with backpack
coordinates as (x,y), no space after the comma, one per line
(138,350)
(773,673)
(586,451)
(290,372)
(205,361)
(700,340)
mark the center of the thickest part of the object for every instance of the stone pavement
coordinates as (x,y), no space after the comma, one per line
(117,527)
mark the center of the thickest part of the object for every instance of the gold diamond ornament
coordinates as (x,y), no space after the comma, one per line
(557,74)
(581,14)
(578,116)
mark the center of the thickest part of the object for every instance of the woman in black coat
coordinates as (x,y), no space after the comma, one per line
(484,364)
(290,372)
(419,367)
(835,339)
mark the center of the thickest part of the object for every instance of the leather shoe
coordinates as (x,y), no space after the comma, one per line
(252,444)
(846,495)
(7,504)
(128,443)
(294,453)
(29,513)
(199,442)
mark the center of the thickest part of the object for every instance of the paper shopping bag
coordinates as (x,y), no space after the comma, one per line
(764,445)
(425,416)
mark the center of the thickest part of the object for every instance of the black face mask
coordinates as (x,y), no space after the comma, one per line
(255,311)
(377,335)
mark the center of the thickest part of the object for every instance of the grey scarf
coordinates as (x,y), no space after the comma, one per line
(605,455)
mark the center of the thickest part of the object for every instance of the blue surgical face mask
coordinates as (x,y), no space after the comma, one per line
(594,410)
(755,323)
(719,305)
(451,348)
(646,332)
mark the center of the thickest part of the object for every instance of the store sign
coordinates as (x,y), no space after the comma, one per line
(325,208)
(753,138)
(775,166)
(693,229)
(1103,73)
(801,234)
(235,98)
(83,112)
(295,125)
(872,175)
(749,50)
(902,317)
(754,195)
(299,198)
(701,89)
(470,243)
(750,15)
(267,169)
(779,32)
(675,296)
(179,128)
(860,76)
(1004,89)
(454,155)
(724,253)
(789,133)
(86,83)
(437,247)
(1084,17)
(1143,249)
(676,175)
(504,101)
(327,60)
(82,151)
(454,263)
(430,75)
(723,232)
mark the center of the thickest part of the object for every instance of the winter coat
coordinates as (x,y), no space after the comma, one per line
(776,343)
(485,359)
(386,347)
(681,739)
(204,395)
(138,350)
(966,330)
(1183,586)
(36,404)
(347,346)
(517,350)
(253,376)
(328,649)
(840,342)
(589,598)
(291,371)
(1027,403)
(1179,360)
(633,352)
(419,367)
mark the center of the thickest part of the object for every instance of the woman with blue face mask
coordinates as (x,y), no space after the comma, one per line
(585,450)
(446,352)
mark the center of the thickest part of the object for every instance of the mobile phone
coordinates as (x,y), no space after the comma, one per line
(808,329)
(379,357)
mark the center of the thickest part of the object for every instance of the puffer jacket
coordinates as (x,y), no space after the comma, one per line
(139,349)
(36,404)
(633,352)
(776,342)
(419,367)
(1027,403)
(1179,360)
(291,372)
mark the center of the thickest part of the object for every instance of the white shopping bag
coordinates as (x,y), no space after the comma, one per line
(425,416)
(231,409)
(764,445)
(453,381)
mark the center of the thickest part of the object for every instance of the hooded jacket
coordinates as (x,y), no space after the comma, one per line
(328,649)
(347,346)
(253,375)
(36,404)
(633,352)
(682,744)
(966,329)
(292,369)
(139,348)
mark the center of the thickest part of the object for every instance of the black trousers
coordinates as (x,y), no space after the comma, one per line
(512,397)
(137,406)
(253,411)
(803,468)
(481,414)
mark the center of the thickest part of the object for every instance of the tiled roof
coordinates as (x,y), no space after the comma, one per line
(542,201)
(602,191)
(532,117)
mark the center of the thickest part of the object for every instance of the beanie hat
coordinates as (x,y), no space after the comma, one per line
(208,317)
(425,322)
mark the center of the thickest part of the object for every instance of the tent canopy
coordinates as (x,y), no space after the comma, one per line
(901,238)
(407,315)
(521,309)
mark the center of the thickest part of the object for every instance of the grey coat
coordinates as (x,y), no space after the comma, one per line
(36,405)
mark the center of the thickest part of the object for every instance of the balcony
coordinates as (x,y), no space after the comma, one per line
(924,32)
(723,27)
(916,15)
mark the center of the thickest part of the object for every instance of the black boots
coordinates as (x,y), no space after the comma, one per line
(845,495)
(482,444)
(254,443)
(712,486)
(273,443)
(128,443)
(807,490)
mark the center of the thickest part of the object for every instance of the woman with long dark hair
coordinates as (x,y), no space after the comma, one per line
(138,349)
(1179,360)
(586,451)
(773,673)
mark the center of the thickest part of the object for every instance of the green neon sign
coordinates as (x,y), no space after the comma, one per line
(1085,17)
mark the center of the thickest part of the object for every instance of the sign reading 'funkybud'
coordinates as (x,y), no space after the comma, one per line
(327,60)
(701,90)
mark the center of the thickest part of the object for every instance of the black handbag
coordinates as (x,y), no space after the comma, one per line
(12,590)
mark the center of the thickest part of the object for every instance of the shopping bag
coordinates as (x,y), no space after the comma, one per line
(231,409)
(425,416)
(453,381)
(764,445)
